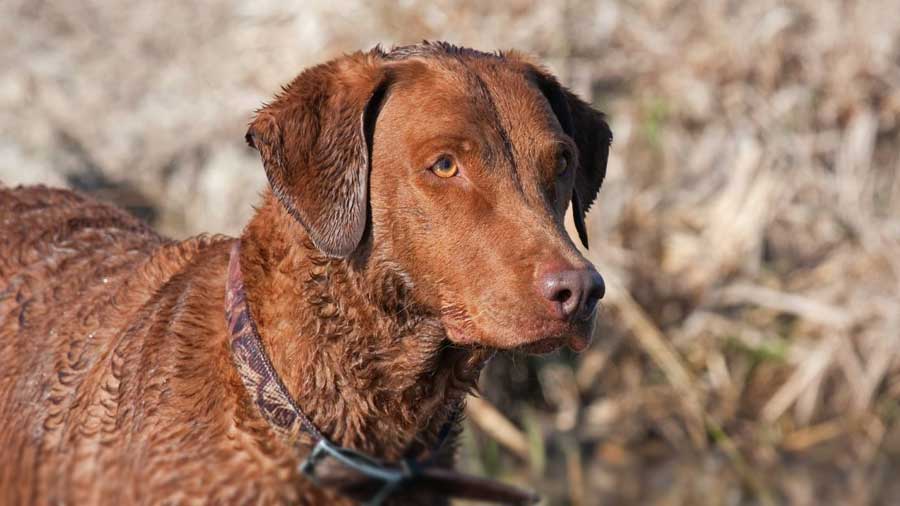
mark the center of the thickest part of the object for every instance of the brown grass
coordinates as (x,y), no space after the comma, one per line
(749,228)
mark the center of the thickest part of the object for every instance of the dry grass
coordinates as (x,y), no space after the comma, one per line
(749,228)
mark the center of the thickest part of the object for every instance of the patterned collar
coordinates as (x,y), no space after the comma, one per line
(326,464)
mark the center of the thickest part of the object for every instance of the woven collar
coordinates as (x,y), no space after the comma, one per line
(331,466)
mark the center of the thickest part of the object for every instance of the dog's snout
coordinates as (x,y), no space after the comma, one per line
(573,294)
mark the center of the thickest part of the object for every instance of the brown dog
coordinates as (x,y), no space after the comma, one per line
(414,225)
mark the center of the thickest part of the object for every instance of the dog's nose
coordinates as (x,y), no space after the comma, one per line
(573,294)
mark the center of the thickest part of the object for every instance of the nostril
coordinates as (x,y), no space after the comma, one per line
(562,295)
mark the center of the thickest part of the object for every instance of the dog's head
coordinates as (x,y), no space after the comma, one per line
(457,167)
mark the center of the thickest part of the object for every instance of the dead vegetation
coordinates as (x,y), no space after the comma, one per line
(749,227)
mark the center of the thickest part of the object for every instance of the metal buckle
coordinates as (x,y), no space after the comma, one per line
(392,477)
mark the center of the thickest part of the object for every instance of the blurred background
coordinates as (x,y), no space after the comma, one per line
(748,228)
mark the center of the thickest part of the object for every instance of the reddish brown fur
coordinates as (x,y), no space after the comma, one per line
(116,383)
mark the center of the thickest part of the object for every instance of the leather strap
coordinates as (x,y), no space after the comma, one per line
(328,465)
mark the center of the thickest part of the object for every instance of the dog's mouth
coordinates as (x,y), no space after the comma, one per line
(551,344)
(539,341)
(543,346)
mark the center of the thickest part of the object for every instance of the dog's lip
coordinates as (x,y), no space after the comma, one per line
(550,344)
(541,346)
(578,343)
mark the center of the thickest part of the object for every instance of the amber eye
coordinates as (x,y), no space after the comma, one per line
(445,167)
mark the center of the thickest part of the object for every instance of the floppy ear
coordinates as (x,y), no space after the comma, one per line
(588,128)
(315,144)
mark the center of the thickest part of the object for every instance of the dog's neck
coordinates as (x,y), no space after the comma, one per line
(369,367)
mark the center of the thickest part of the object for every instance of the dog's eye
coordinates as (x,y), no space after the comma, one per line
(445,167)
(562,164)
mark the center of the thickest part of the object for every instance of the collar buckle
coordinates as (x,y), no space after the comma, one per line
(391,477)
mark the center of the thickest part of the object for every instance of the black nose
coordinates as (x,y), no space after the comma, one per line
(573,293)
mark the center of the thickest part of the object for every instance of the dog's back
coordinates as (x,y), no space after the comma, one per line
(44,230)
(80,284)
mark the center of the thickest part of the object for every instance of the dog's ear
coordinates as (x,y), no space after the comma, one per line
(315,144)
(588,128)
